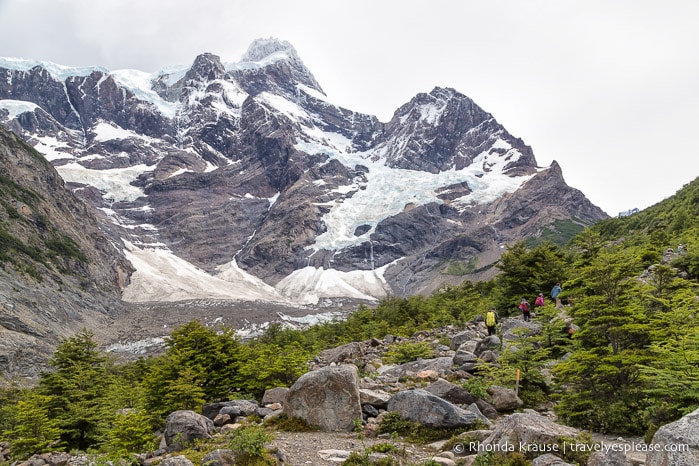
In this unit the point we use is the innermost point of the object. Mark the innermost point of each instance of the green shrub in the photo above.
(131, 432)
(577, 455)
(413, 431)
(406, 352)
(248, 446)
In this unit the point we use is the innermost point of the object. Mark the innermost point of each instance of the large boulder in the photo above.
(451, 392)
(525, 429)
(430, 410)
(327, 398)
(462, 357)
(680, 439)
(183, 427)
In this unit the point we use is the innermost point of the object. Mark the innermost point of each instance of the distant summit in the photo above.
(262, 49)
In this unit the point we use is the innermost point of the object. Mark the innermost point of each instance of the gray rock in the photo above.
(462, 357)
(221, 457)
(176, 461)
(487, 409)
(488, 343)
(430, 410)
(348, 354)
(327, 398)
(377, 398)
(681, 434)
(549, 459)
(183, 427)
(609, 458)
(274, 395)
(489, 356)
(529, 428)
(504, 399)
(450, 392)
(233, 408)
(369, 410)
(462, 337)
(473, 408)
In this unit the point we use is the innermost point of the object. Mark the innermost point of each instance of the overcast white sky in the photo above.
(609, 89)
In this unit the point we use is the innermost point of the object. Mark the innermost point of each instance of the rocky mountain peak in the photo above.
(273, 65)
(206, 67)
(444, 130)
(261, 49)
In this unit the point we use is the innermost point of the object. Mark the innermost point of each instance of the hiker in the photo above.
(555, 293)
(524, 307)
(539, 301)
(491, 320)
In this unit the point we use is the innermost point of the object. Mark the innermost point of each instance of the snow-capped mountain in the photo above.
(244, 181)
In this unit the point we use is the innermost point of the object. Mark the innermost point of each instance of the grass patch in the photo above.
(413, 431)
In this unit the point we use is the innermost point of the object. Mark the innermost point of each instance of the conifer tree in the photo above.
(76, 390)
(33, 431)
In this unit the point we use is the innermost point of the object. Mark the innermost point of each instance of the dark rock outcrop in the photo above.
(60, 270)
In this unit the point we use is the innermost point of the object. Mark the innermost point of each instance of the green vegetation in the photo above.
(392, 423)
(460, 268)
(631, 366)
(28, 252)
(558, 233)
(400, 353)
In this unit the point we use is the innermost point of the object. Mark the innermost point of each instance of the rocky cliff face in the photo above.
(247, 171)
(59, 270)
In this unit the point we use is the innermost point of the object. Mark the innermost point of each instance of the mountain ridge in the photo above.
(263, 129)
(244, 181)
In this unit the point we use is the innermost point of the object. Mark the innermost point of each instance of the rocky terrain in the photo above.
(60, 270)
(428, 391)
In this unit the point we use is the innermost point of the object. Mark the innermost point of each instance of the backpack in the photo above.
(490, 319)
(524, 307)
(539, 301)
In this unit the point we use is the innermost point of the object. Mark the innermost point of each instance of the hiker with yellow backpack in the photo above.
(491, 320)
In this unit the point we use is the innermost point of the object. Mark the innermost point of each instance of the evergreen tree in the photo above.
(201, 364)
(32, 431)
(528, 272)
(76, 390)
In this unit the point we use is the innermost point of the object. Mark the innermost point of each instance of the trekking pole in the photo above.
(517, 384)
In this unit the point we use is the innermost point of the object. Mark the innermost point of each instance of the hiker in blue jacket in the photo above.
(555, 293)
